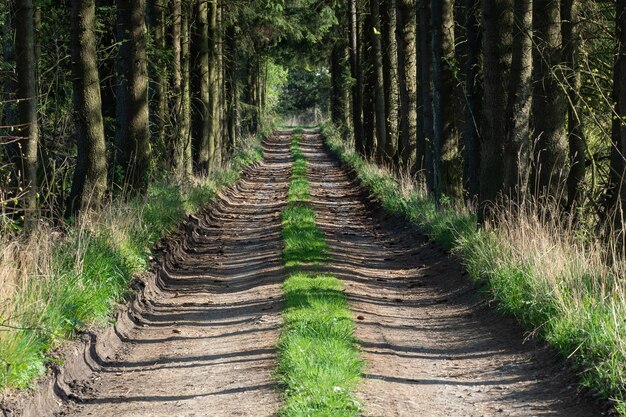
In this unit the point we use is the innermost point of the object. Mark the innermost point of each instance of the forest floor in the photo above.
(205, 344)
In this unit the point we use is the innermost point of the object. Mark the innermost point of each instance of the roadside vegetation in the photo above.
(319, 363)
(557, 283)
(58, 281)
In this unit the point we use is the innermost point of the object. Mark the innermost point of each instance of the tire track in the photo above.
(205, 343)
(432, 347)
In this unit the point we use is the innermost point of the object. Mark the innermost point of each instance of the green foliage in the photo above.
(319, 365)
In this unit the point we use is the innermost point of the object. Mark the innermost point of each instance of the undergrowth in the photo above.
(55, 283)
(560, 287)
(318, 361)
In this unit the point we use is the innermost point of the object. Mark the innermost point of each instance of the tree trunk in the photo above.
(176, 151)
(159, 79)
(184, 127)
(548, 107)
(575, 132)
(214, 91)
(379, 93)
(369, 119)
(448, 172)
(132, 136)
(424, 145)
(90, 175)
(407, 81)
(356, 71)
(200, 86)
(517, 144)
(616, 202)
(471, 136)
(26, 67)
(390, 75)
(496, 22)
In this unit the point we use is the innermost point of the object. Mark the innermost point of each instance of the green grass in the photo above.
(559, 288)
(319, 364)
(76, 282)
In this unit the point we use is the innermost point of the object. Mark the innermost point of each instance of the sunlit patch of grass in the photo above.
(55, 282)
(319, 364)
(559, 286)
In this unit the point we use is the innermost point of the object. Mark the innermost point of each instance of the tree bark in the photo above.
(90, 175)
(448, 172)
(356, 71)
(471, 135)
(28, 130)
(369, 119)
(214, 90)
(159, 79)
(390, 75)
(575, 132)
(424, 146)
(517, 144)
(132, 136)
(184, 128)
(496, 22)
(379, 93)
(616, 193)
(548, 107)
(201, 115)
(407, 81)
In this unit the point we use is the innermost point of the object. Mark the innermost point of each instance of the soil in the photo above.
(432, 345)
(200, 338)
(205, 343)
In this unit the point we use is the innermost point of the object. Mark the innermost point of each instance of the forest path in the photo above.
(431, 345)
(206, 344)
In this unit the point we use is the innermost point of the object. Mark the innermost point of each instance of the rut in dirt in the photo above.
(205, 346)
(431, 344)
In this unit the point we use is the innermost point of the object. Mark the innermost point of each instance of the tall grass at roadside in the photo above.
(318, 361)
(56, 282)
(539, 269)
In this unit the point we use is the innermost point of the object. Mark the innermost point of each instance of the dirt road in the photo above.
(206, 344)
(431, 345)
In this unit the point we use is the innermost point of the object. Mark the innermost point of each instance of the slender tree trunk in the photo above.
(407, 80)
(548, 107)
(390, 75)
(496, 22)
(424, 146)
(575, 132)
(26, 67)
(448, 172)
(9, 107)
(517, 145)
(214, 91)
(90, 175)
(184, 127)
(132, 136)
(159, 79)
(369, 120)
(356, 71)
(338, 105)
(201, 117)
(176, 144)
(616, 201)
(379, 93)
(471, 135)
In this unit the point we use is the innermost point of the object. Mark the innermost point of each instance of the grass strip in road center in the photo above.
(319, 364)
